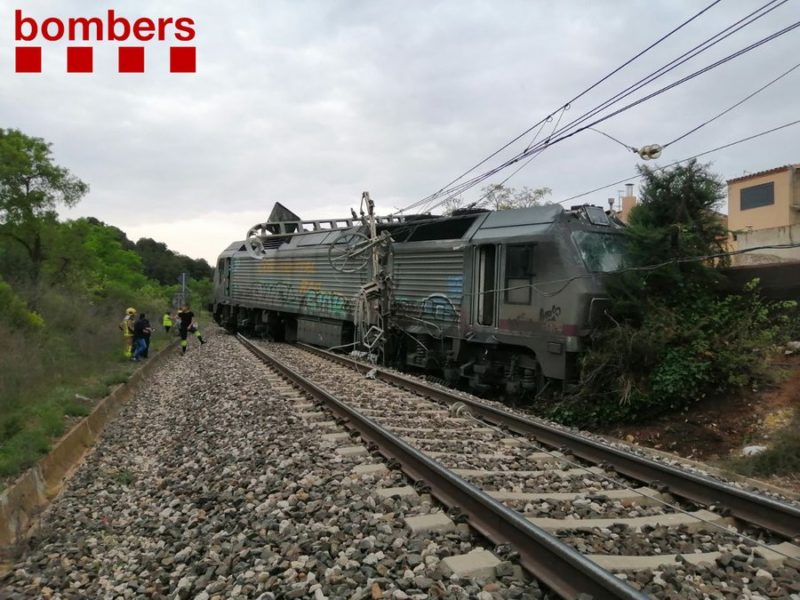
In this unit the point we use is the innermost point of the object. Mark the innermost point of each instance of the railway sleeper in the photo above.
(774, 554)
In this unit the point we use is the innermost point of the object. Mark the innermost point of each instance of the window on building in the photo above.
(519, 274)
(757, 196)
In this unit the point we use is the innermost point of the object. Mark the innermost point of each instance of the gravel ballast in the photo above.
(209, 485)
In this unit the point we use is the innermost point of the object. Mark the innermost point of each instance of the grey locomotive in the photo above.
(504, 298)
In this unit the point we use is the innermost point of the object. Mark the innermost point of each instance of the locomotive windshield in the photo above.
(602, 252)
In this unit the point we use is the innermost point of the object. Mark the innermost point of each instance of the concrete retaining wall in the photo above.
(32, 491)
(789, 234)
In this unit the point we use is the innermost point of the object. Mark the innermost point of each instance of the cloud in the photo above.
(310, 103)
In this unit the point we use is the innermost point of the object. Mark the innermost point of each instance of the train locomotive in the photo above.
(482, 299)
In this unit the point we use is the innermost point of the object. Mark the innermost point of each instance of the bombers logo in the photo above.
(182, 58)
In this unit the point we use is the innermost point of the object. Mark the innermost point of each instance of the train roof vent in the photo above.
(469, 211)
(442, 228)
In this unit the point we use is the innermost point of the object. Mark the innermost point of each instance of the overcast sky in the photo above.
(312, 102)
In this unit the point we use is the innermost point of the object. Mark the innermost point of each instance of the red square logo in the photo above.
(29, 59)
(79, 59)
(131, 59)
(182, 59)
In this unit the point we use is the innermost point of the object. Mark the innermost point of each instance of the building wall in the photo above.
(779, 214)
(788, 234)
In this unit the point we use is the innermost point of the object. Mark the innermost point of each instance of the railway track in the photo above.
(581, 516)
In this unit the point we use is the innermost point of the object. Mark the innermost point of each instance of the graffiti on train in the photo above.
(550, 315)
(435, 307)
(306, 298)
(327, 301)
(277, 291)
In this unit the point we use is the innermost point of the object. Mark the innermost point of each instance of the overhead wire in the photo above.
(672, 164)
(577, 97)
(611, 137)
(689, 77)
(662, 90)
(563, 133)
(525, 164)
(478, 179)
(721, 35)
(730, 108)
(474, 181)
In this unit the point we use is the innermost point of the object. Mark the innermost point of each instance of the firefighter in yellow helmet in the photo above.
(126, 326)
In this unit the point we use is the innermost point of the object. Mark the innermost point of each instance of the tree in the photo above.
(675, 220)
(452, 204)
(499, 197)
(527, 197)
(674, 335)
(31, 186)
(165, 266)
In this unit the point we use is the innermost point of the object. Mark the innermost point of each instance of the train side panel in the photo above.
(428, 287)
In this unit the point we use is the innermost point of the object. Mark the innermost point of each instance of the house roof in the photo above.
(762, 173)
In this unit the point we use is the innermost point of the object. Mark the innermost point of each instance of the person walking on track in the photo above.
(187, 326)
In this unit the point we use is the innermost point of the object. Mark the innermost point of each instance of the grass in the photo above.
(53, 376)
(782, 457)
(125, 477)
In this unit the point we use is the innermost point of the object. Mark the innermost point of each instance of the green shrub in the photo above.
(73, 408)
(22, 451)
(782, 457)
(675, 335)
(125, 477)
(117, 378)
(95, 391)
(15, 310)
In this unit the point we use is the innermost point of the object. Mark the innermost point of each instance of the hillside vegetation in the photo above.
(64, 288)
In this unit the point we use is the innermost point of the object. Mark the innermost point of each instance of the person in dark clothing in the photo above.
(141, 337)
(187, 324)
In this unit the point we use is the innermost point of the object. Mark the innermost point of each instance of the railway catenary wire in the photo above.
(606, 495)
(694, 129)
(562, 135)
(577, 125)
(562, 107)
(677, 162)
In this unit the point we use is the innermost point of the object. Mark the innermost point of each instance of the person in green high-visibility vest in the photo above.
(166, 321)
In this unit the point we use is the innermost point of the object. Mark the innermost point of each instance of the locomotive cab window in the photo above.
(519, 274)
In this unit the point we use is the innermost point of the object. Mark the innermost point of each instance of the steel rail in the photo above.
(765, 512)
(559, 566)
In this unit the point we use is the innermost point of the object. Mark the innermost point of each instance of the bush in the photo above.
(781, 458)
(674, 337)
(15, 311)
(712, 346)
(22, 451)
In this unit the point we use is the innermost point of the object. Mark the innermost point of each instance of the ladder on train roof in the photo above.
(291, 228)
